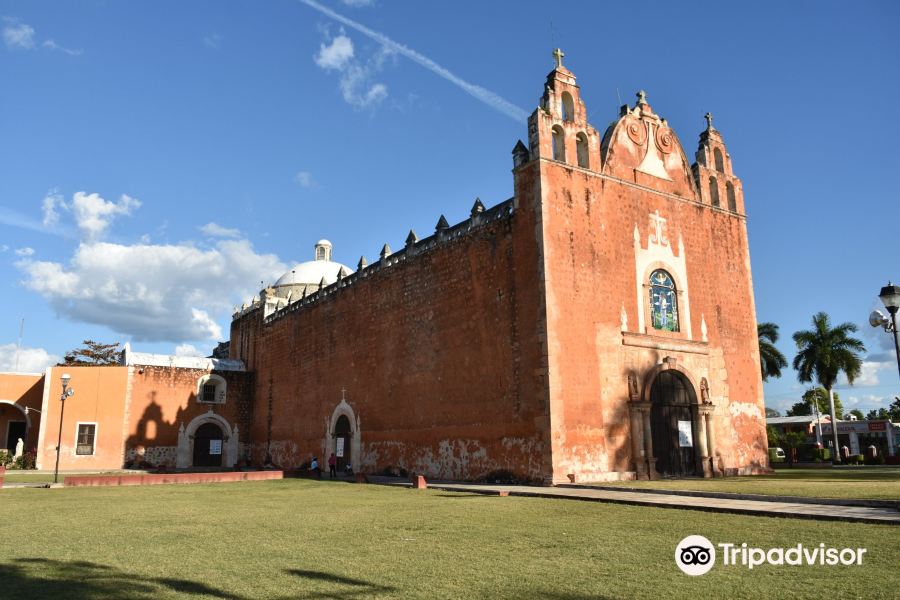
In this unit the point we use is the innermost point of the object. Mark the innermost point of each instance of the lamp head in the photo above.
(877, 319)
(65, 379)
(890, 295)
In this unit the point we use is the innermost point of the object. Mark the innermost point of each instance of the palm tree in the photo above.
(823, 352)
(771, 361)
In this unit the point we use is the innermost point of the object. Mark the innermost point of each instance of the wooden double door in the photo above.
(672, 417)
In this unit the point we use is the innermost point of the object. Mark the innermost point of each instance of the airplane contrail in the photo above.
(476, 91)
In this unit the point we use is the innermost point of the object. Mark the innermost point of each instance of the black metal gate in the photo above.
(672, 423)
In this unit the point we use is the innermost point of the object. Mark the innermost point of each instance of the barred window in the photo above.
(85, 438)
(209, 392)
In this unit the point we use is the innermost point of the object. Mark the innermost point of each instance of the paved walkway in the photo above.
(822, 512)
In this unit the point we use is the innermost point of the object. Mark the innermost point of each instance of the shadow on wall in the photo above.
(152, 431)
(41, 578)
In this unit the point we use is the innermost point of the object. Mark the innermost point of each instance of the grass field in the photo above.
(844, 482)
(308, 539)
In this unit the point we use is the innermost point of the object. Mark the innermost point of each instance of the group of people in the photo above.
(315, 471)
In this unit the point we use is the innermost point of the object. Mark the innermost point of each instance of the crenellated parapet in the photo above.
(275, 307)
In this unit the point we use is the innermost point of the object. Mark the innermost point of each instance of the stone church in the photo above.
(598, 325)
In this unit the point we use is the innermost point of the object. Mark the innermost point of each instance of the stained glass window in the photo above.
(663, 301)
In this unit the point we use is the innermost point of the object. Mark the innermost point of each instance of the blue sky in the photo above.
(160, 159)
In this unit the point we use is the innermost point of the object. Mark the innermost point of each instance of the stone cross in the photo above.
(558, 55)
(343, 394)
(708, 117)
(642, 97)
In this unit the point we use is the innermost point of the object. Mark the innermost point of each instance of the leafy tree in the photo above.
(93, 354)
(771, 361)
(773, 435)
(857, 413)
(824, 352)
(790, 441)
(877, 414)
(892, 412)
(820, 397)
(771, 412)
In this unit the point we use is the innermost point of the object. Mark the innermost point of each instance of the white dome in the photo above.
(312, 272)
(323, 243)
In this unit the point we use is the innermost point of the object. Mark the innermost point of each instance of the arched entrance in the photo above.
(343, 447)
(14, 424)
(208, 445)
(673, 412)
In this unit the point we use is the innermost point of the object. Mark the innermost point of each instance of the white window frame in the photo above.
(221, 388)
(93, 446)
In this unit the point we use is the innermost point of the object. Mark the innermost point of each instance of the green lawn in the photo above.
(308, 539)
(844, 482)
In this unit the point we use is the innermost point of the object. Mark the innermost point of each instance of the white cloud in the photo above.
(93, 214)
(54, 46)
(336, 55)
(4, 248)
(21, 36)
(18, 35)
(305, 179)
(51, 202)
(188, 350)
(30, 360)
(484, 95)
(26, 251)
(215, 230)
(356, 82)
(357, 3)
(172, 293)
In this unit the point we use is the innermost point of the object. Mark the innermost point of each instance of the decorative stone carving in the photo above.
(704, 391)
(20, 448)
(636, 131)
(634, 393)
(665, 140)
(658, 227)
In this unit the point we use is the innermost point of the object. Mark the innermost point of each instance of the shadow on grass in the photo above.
(25, 578)
(361, 588)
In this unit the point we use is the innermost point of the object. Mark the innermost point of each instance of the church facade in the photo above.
(600, 324)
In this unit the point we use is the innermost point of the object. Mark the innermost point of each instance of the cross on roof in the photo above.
(642, 97)
(708, 117)
(558, 55)
(343, 393)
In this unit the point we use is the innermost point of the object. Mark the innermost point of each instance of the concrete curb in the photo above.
(755, 497)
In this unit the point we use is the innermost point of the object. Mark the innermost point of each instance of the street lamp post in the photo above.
(890, 296)
(66, 392)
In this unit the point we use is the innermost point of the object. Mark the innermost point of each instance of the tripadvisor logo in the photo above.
(696, 555)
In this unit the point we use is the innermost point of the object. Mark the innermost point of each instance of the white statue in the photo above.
(20, 448)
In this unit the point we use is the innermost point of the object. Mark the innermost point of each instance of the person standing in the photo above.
(332, 466)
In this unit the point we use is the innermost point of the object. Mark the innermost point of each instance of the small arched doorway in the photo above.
(208, 442)
(343, 435)
(672, 415)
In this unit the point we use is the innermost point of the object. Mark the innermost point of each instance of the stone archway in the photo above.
(344, 424)
(645, 440)
(185, 455)
(673, 414)
(12, 428)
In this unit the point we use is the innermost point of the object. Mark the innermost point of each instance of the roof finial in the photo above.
(558, 55)
(708, 117)
(642, 97)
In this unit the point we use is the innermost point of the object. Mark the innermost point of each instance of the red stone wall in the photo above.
(439, 353)
(163, 398)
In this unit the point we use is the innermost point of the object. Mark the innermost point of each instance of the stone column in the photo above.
(648, 442)
(183, 455)
(700, 425)
(707, 412)
(637, 442)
